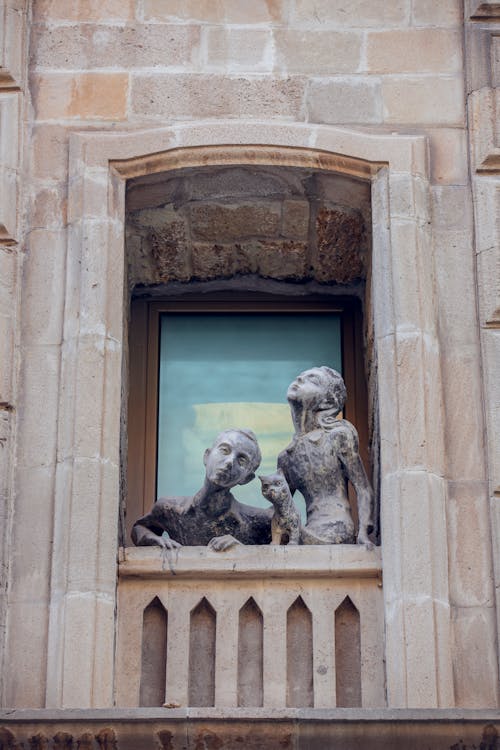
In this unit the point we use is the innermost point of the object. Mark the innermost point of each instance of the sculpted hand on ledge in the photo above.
(221, 543)
(212, 516)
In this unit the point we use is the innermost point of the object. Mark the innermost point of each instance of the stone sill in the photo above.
(259, 561)
(343, 715)
(291, 729)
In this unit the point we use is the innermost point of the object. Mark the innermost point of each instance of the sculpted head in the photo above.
(233, 458)
(318, 389)
(275, 487)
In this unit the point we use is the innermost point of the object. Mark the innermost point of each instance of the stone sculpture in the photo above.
(212, 516)
(285, 524)
(322, 457)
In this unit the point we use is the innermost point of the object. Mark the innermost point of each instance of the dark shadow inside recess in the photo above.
(153, 654)
(348, 655)
(202, 634)
(250, 655)
(299, 656)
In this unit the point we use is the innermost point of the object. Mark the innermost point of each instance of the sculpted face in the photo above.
(318, 388)
(309, 387)
(275, 487)
(232, 459)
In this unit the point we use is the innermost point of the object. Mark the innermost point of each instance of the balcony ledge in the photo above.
(259, 561)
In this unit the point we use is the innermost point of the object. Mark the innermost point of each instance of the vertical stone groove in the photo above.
(154, 654)
(347, 655)
(250, 655)
(299, 656)
(202, 632)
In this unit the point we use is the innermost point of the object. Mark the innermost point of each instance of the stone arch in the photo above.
(403, 312)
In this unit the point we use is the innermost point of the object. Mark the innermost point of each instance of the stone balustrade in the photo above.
(264, 626)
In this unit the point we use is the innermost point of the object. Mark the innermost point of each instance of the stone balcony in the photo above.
(264, 626)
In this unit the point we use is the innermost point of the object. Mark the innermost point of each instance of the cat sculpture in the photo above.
(285, 524)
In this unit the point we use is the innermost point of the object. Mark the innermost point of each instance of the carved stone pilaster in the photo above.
(12, 84)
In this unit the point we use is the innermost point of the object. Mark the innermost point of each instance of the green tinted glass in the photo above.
(224, 370)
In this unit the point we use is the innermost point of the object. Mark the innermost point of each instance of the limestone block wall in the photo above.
(378, 68)
(483, 96)
(13, 83)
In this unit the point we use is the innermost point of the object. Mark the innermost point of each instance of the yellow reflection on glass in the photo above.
(270, 422)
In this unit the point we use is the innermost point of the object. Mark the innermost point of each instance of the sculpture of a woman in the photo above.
(322, 457)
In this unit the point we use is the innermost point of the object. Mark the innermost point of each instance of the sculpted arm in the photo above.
(356, 474)
(148, 531)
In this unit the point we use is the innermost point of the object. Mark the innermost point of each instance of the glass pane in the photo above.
(219, 371)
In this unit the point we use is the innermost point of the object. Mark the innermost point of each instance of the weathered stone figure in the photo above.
(322, 457)
(212, 516)
(285, 524)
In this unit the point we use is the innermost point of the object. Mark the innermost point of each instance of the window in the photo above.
(198, 366)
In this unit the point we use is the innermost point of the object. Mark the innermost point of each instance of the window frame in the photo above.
(144, 348)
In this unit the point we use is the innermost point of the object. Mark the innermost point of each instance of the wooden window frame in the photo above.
(144, 346)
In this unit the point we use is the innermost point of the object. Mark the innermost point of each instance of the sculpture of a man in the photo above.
(213, 515)
(322, 457)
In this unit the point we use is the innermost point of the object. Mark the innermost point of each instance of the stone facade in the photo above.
(154, 143)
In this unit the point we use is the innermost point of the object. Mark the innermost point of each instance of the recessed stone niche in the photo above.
(277, 223)
(276, 230)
